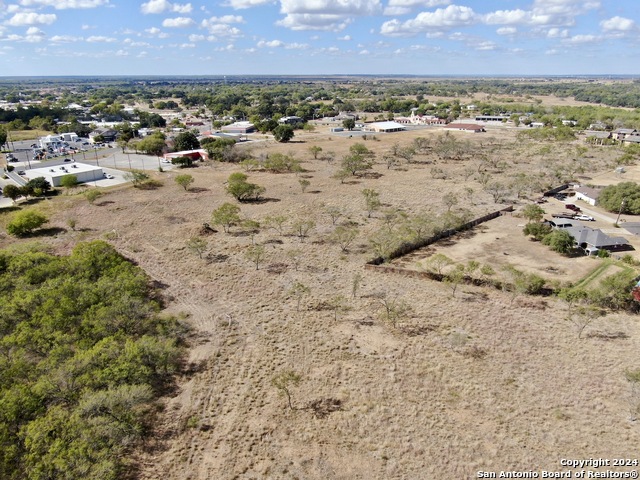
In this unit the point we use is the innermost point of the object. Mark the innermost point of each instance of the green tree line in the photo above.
(83, 354)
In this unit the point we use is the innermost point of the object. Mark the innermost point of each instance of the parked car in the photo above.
(570, 216)
(571, 206)
(67, 160)
(108, 175)
(33, 145)
(21, 172)
(585, 218)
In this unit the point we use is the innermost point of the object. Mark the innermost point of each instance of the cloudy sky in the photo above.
(422, 37)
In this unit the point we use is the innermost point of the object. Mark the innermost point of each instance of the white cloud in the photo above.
(364, 52)
(484, 46)
(441, 19)
(122, 53)
(32, 35)
(223, 19)
(331, 7)
(196, 38)
(188, 45)
(131, 43)
(329, 15)
(346, 38)
(557, 33)
(184, 8)
(581, 39)
(178, 22)
(296, 46)
(31, 18)
(561, 12)
(403, 7)
(86, 27)
(618, 24)
(270, 44)
(507, 17)
(507, 31)
(100, 39)
(160, 6)
(242, 4)
(155, 6)
(308, 21)
(65, 4)
(223, 30)
(65, 39)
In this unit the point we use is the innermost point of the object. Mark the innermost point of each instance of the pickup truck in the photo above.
(570, 216)
(585, 218)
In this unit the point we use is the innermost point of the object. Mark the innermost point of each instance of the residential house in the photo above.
(108, 135)
(591, 240)
(588, 194)
(292, 120)
(631, 139)
(622, 133)
(597, 137)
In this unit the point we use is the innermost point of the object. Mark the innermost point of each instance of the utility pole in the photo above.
(620, 211)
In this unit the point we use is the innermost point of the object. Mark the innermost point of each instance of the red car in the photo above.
(571, 206)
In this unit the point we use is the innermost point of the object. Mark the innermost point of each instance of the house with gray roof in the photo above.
(591, 240)
(622, 133)
(588, 194)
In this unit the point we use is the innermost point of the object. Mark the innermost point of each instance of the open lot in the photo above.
(460, 384)
(500, 243)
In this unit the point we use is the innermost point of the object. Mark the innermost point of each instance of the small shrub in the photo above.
(25, 222)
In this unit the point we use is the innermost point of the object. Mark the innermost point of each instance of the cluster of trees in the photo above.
(623, 197)
(36, 187)
(399, 229)
(83, 354)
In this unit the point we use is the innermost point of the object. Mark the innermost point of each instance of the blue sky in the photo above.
(241, 37)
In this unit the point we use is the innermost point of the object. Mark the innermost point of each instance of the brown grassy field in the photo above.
(461, 384)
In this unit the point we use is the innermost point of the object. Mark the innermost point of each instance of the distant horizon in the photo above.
(329, 75)
(58, 38)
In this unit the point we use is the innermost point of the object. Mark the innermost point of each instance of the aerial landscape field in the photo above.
(310, 299)
(319, 239)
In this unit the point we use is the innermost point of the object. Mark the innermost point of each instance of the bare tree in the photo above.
(344, 236)
(334, 213)
(256, 254)
(299, 290)
(394, 309)
(301, 227)
(197, 245)
(284, 381)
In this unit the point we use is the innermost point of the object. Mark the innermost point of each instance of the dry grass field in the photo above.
(461, 384)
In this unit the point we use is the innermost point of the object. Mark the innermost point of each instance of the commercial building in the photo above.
(54, 173)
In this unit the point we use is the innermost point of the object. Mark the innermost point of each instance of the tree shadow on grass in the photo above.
(262, 200)
(13, 208)
(47, 232)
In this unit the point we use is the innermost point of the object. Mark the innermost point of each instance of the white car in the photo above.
(108, 175)
(586, 218)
